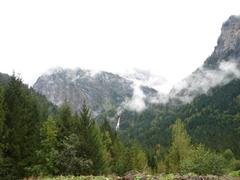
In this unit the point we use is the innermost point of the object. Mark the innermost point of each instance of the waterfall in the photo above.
(118, 123)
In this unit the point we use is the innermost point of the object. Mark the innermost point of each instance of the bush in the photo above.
(235, 173)
(236, 165)
(203, 162)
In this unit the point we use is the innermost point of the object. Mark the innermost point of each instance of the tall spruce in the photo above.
(20, 130)
(119, 161)
(48, 153)
(65, 121)
(2, 119)
(93, 147)
(180, 147)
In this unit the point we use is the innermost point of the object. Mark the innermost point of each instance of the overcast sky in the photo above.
(171, 38)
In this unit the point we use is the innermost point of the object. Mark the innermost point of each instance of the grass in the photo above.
(235, 175)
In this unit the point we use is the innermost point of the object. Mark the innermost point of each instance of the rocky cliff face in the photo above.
(104, 91)
(228, 45)
(101, 90)
(4, 78)
(220, 68)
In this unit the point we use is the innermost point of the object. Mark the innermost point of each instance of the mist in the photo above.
(199, 82)
(204, 79)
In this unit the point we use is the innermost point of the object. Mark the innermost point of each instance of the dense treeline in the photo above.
(211, 119)
(37, 139)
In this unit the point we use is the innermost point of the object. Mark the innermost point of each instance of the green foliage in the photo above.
(2, 121)
(39, 139)
(136, 158)
(48, 153)
(203, 162)
(118, 151)
(228, 155)
(180, 147)
(2, 112)
(154, 160)
(236, 165)
(36, 138)
(20, 136)
(211, 119)
(70, 160)
(65, 121)
(234, 173)
(93, 147)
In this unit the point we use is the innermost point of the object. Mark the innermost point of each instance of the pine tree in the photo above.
(65, 121)
(2, 119)
(107, 138)
(71, 160)
(93, 147)
(180, 146)
(118, 152)
(136, 158)
(2, 113)
(20, 130)
(48, 153)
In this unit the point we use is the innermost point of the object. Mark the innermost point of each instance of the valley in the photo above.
(81, 124)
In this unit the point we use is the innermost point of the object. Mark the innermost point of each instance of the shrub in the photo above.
(203, 162)
(235, 173)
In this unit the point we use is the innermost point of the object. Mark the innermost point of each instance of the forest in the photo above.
(39, 139)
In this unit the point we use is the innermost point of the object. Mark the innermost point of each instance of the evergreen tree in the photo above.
(71, 160)
(48, 153)
(155, 160)
(118, 152)
(20, 130)
(65, 121)
(180, 147)
(136, 158)
(2, 119)
(202, 161)
(2, 112)
(93, 147)
(107, 138)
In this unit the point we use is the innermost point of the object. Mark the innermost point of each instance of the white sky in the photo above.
(170, 38)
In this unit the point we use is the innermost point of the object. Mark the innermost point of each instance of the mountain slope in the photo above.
(4, 78)
(212, 111)
(211, 119)
(103, 91)
(220, 68)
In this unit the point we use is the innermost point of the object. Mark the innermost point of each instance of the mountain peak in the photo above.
(219, 69)
(102, 90)
(228, 44)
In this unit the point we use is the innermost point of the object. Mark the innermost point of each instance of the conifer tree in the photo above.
(118, 162)
(2, 113)
(180, 146)
(2, 119)
(48, 153)
(20, 130)
(65, 121)
(93, 146)
(136, 158)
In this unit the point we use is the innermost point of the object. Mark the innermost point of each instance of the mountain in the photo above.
(212, 112)
(102, 90)
(228, 45)
(4, 78)
(45, 106)
(218, 69)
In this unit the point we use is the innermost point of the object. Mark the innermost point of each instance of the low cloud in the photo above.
(137, 102)
(200, 82)
(204, 79)
(139, 78)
